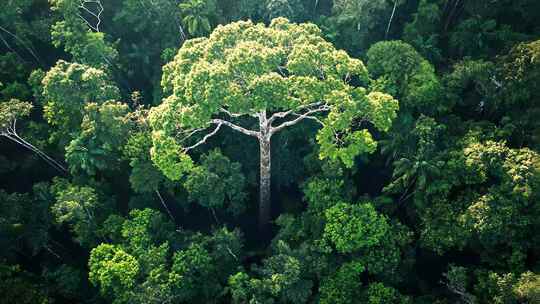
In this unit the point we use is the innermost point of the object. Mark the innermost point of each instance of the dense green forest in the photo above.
(270, 151)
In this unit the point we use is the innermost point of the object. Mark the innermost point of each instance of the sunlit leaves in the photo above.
(353, 227)
(402, 72)
(342, 286)
(12, 110)
(114, 271)
(67, 87)
(104, 130)
(248, 68)
(78, 38)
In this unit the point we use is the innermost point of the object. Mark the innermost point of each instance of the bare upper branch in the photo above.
(300, 117)
(96, 15)
(289, 112)
(204, 139)
(236, 115)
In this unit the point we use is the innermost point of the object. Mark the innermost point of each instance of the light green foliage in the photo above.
(79, 39)
(12, 110)
(353, 227)
(199, 16)
(377, 293)
(103, 132)
(80, 208)
(337, 140)
(528, 287)
(166, 156)
(145, 229)
(508, 288)
(342, 286)
(114, 270)
(448, 213)
(164, 265)
(144, 250)
(402, 72)
(67, 88)
(246, 69)
(223, 177)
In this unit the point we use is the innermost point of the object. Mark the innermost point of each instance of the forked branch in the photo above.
(300, 117)
(204, 139)
(10, 132)
(96, 15)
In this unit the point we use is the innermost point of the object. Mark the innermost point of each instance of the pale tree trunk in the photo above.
(264, 134)
(391, 18)
(265, 207)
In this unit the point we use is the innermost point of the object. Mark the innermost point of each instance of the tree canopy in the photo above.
(270, 151)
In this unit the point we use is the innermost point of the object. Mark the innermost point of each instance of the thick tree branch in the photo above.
(279, 115)
(236, 127)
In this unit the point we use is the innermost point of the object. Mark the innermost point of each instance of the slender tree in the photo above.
(269, 78)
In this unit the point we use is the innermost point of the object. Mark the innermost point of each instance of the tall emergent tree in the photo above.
(258, 80)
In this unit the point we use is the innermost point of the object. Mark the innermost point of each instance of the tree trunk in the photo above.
(264, 191)
(390, 21)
